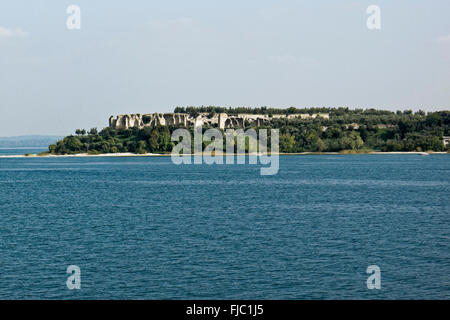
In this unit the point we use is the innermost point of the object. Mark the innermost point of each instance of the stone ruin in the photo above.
(221, 120)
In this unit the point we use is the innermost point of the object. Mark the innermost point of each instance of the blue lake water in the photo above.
(22, 150)
(144, 228)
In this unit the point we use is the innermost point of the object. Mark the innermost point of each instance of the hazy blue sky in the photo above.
(150, 56)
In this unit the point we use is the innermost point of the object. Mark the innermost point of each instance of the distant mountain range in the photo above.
(28, 141)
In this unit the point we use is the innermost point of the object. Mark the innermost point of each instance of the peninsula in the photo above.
(301, 130)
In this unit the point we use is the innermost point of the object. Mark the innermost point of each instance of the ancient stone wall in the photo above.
(222, 120)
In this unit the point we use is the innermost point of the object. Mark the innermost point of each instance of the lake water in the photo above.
(21, 150)
(144, 228)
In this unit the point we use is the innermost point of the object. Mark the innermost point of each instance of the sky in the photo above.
(151, 56)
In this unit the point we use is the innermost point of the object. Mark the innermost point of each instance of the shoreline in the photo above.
(129, 154)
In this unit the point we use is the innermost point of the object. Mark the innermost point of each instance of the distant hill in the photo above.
(28, 141)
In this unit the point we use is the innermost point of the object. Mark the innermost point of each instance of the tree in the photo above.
(153, 141)
(52, 148)
(73, 144)
(141, 147)
(287, 143)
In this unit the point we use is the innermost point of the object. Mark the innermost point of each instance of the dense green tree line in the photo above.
(155, 140)
(384, 131)
(346, 129)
